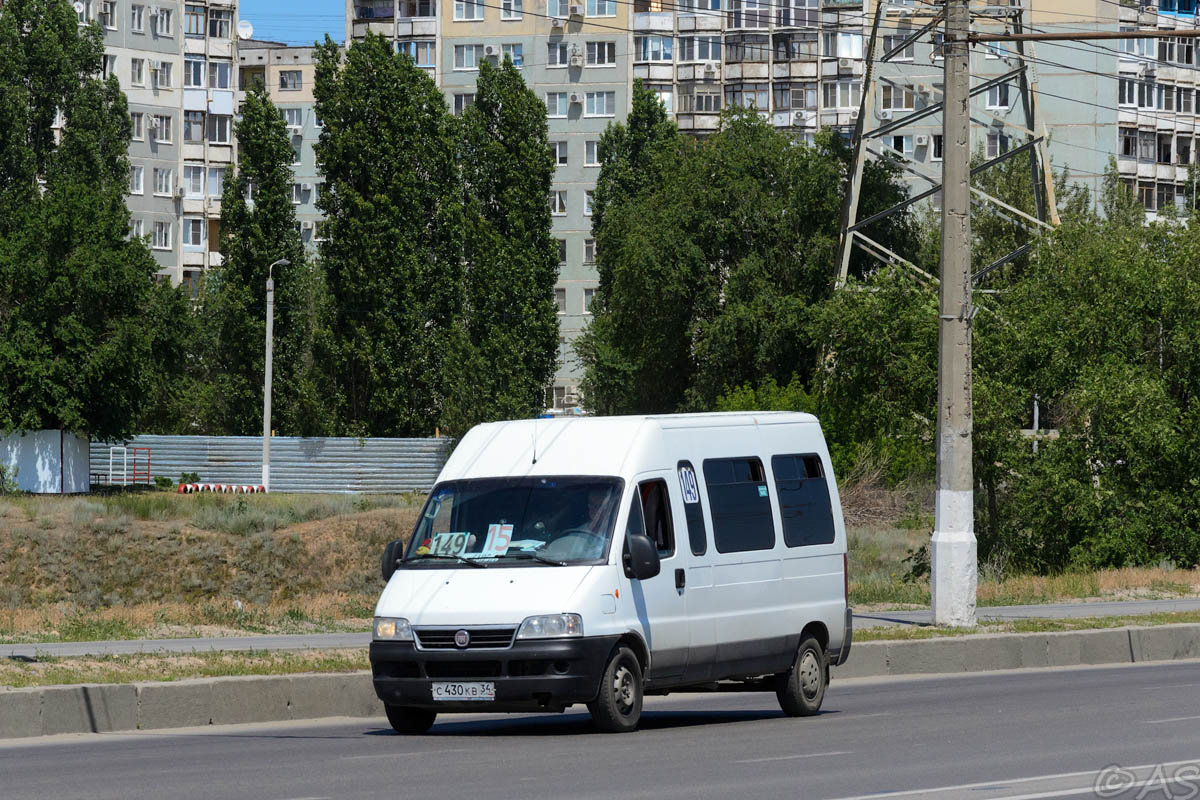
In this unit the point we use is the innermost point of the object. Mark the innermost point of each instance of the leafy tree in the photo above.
(77, 307)
(394, 235)
(258, 227)
(509, 329)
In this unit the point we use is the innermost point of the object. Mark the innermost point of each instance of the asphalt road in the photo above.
(986, 736)
(341, 640)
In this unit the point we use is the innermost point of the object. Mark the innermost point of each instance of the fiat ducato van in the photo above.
(597, 560)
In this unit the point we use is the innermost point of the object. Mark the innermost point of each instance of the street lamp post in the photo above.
(266, 455)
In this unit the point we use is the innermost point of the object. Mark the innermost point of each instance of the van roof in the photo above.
(582, 445)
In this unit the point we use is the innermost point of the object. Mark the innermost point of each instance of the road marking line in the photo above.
(1000, 784)
(398, 755)
(789, 758)
(1163, 781)
(1170, 686)
(1169, 719)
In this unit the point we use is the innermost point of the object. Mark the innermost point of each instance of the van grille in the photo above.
(481, 638)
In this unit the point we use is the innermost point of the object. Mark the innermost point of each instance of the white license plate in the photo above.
(459, 692)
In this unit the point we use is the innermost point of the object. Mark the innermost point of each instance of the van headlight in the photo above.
(392, 629)
(551, 626)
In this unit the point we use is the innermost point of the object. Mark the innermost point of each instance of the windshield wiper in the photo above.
(463, 559)
(536, 557)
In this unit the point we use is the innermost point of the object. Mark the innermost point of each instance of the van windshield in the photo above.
(549, 521)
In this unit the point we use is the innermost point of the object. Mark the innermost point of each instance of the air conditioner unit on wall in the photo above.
(179, 192)
(710, 69)
(295, 130)
(557, 23)
(845, 63)
(576, 97)
(885, 114)
(922, 139)
(854, 113)
(489, 50)
(306, 225)
(576, 11)
(576, 60)
(306, 187)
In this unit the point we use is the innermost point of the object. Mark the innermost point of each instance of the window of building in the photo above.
(162, 128)
(1166, 51)
(218, 128)
(511, 9)
(162, 22)
(749, 13)
(556, 104)
(163, 76)
(220, 23)
(137, 228)
(467, 56)
(137, 19)
(559, 149)
(193, 73)
(463, 101)
(700, 48)
(800, 13)
(1184, 100)
(558, 8)
(291, 80)
(108, 15)
(137, 71)
(193, 20)
(897, 98)
(890, 43)
(587, 202)
(417, 8)
(997, 145)
(1137, 49)
(293, 117)
(1165, 150)
(1146, 145)
(1146, 93)
(694, 6)
(740, 502)
(805, 510)
(296, 155)
(556, 54)
(192, 232)
(1126, 95)
(216, 181)
(997, 96)
(752, 47)
(1185, 52)
(600, 104)
(652, 48)
(193, 126)
(937, 147)
(601, 8)
(164, 183)
(558, 202)
(901, 144)
(468, 9)
(656, 513)
(843, 94)
(193, 180)
(589, 256)
(748, 95)
(665, 95)
(1146, 195)
(374, 9)
(1164, 196)
(560, 300)
(1164, 98)
(591, 156)
(588, 294)
(514, 52)
(136, 178)
(136, 121)
(839, 44)
(219, 74)
(421, 51)
(297, 194)
(601, 54)
(1183, 150)
(108, 66)
(162, 236)
(562, 251)
(795, 46)
(1129, 138)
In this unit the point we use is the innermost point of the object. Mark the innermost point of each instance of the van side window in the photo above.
(656, 508)
(803, 500)
(692, 510)
(740, 505)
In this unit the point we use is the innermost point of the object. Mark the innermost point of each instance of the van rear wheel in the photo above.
(802, 688)
(618, 706)
(410, 720)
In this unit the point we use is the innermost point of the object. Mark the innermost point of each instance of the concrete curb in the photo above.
(47, 710)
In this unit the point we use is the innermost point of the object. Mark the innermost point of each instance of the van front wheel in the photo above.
(618, 706)
(802, 688)
(410, 720)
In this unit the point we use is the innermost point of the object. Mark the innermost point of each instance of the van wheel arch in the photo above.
(635, 643)
(818, 631)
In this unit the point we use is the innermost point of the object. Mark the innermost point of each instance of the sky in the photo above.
(299, 22)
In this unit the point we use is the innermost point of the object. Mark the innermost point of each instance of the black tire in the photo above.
(802, 688)
(410, 720)
(618, 706)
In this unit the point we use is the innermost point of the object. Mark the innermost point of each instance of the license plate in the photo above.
(459, 692)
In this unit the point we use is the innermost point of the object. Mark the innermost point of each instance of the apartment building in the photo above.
(288, 74)
(175, 62)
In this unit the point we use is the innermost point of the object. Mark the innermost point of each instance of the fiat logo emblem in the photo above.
(462, 638)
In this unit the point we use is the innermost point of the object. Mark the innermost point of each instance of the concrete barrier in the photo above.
(102, 708)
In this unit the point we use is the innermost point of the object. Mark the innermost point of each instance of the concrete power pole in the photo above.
(953, 549)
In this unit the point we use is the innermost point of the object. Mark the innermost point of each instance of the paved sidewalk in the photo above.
(347, 640)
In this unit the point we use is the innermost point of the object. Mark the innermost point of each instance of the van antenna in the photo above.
(535, 419)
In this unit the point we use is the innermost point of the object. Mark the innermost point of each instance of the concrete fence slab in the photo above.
(180, 704)
(251, 699)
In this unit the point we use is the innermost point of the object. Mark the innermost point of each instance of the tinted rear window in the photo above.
(740, 503)
(804, 505)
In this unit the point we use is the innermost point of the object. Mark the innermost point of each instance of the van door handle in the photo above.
(680, 579)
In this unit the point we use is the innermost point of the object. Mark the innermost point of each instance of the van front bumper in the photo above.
(532, 675)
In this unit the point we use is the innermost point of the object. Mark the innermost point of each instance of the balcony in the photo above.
(374, 9)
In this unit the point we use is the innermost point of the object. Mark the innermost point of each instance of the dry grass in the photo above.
(163, 667)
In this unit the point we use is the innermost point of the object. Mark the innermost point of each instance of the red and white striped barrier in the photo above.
(225, 488)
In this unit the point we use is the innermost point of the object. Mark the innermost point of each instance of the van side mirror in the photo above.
(393, 551)
(640, 557)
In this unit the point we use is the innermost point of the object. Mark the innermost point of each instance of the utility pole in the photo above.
(266, 450)
(953, 556)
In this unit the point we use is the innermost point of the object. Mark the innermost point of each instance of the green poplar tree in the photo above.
(510, 327)
(393, 249)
